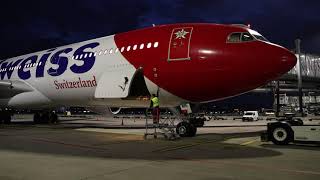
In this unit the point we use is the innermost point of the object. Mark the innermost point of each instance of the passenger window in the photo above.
(135, 47)
(246, 37)
(234, 37)
(141, 46)
(156, 44)
(149, 45)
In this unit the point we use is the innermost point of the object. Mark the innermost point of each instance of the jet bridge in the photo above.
(310, 69)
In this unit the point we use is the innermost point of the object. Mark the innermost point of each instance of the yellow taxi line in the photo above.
(249, 142)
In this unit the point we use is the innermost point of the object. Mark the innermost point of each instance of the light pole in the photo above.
(298, 51)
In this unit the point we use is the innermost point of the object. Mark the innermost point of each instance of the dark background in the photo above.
(28, 26)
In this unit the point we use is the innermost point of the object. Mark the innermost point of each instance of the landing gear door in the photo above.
(115, 83)
(179, 45)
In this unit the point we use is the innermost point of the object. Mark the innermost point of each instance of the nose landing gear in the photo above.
(186, 129)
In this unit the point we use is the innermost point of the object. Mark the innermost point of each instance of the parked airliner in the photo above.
(180, 62)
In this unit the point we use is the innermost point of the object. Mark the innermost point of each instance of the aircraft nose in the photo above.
(287, 60)
(279, 62)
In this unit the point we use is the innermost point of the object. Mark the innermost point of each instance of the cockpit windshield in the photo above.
(238, 37)
(257, 35)
(260, 38)
(246, 37)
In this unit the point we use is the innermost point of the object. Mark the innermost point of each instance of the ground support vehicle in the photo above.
(284, 132)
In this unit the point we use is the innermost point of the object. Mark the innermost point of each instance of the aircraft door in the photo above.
(115, 83)
(179, 45)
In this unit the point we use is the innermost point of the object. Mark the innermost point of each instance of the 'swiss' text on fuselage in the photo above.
(59, 59)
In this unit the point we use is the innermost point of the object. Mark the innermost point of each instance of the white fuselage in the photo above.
(102, 85)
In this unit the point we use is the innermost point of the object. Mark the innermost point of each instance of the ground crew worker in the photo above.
(154, 104)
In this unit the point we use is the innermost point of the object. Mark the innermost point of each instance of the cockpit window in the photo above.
(246, 37)
(257, 35)
(240, 37)
(234, 37)
(260, 38)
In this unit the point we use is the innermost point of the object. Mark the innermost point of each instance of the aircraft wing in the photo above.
(9, 89)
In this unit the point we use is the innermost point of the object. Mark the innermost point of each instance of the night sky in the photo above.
(28, 26)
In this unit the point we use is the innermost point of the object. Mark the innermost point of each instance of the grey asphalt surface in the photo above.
(98, 149)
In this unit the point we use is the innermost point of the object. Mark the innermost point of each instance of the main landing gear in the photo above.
(45, 117)
(5, 117)
(186, 129)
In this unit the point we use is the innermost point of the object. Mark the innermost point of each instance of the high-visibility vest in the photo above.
(155, 101)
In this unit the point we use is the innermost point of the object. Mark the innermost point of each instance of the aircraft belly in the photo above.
(167, 99)
(29, 99)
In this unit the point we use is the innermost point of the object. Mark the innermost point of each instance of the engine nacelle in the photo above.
(115, 110)
(105, 111)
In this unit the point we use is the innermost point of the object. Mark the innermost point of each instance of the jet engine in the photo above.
(115, 110)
